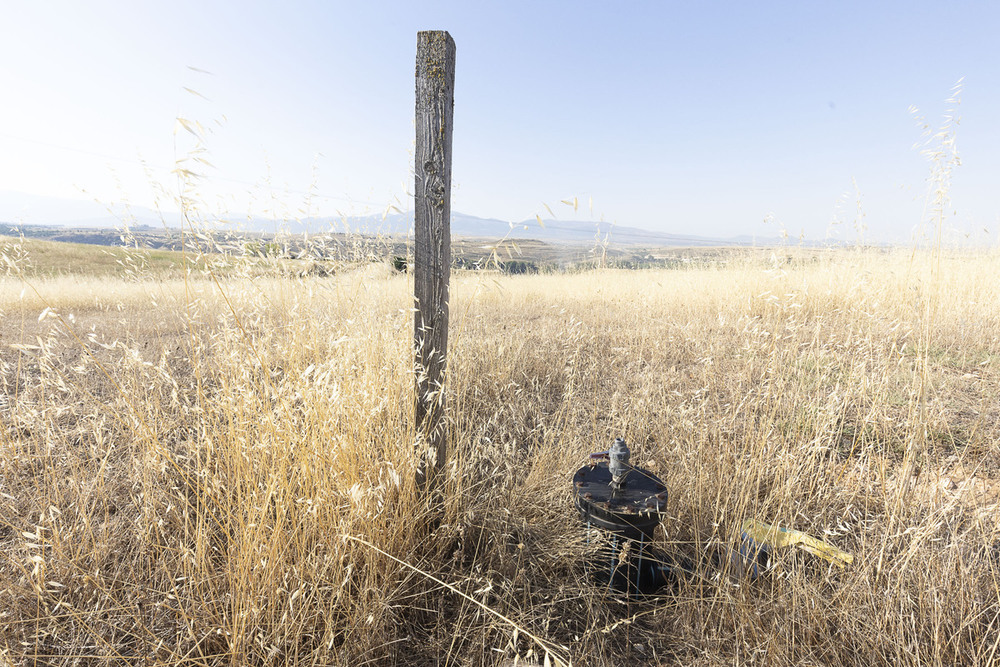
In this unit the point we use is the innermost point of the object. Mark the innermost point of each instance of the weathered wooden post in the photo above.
(432, 244)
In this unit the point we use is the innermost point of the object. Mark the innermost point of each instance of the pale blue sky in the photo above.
(697, 118)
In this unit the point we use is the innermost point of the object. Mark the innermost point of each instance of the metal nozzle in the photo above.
(618, 464)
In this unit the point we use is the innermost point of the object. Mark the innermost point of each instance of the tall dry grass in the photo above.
(221, 471)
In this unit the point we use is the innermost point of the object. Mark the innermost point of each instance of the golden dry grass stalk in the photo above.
(181, 460)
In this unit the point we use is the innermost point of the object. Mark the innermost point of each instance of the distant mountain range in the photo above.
(18, 208)
(464, 225)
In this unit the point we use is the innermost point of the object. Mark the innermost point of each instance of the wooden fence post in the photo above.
(432, 244)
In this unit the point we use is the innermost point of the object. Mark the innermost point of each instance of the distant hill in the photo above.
(19, 209)
(470, 226)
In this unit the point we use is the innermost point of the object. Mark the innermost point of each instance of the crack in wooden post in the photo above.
(435, 101)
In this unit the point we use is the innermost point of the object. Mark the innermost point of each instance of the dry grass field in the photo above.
(219, 471)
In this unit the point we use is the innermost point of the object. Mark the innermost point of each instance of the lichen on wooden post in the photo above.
(435, 101)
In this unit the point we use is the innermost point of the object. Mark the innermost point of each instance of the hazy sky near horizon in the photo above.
(688, 118)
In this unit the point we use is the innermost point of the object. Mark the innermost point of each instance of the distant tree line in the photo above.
(509, 267)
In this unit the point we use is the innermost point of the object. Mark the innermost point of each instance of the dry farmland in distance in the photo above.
(217, 468)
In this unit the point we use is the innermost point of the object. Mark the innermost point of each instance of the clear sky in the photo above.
(684, 117)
